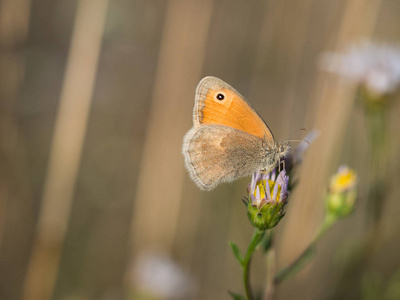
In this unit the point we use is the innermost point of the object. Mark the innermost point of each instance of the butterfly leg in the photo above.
(281, 165)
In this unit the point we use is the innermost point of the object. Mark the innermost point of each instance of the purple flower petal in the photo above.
(267, 189)
(275, 192)
(253, 183)
(273, 175)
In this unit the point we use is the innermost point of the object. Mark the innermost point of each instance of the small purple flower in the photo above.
(268, 195)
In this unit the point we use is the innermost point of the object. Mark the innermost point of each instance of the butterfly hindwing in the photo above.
(215, 154)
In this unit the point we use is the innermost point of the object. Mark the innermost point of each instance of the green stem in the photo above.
(307, 254)
(326, 225)
(271, 270)
(255, 240)
(377, 136)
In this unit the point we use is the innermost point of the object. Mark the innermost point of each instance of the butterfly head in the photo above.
(274, 153)
(282, 149)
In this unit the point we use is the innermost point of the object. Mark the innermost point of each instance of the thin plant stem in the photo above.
(375, 110)
(377, 136)
(271, 270)
(255, 240)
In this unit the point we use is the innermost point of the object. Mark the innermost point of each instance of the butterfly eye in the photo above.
(220, 97)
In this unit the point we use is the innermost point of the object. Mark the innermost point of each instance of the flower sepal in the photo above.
(267, 216)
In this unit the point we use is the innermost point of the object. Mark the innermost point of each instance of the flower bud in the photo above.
(342, 192)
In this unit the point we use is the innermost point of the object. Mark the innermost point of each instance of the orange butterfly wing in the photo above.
(218, 103)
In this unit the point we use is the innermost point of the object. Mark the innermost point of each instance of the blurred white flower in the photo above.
(159, 276)
(376, 66)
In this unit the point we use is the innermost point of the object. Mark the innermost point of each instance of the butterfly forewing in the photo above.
(218, 103)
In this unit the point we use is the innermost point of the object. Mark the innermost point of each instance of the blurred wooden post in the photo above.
(333, 105)
(14, 21)
(159, 191)
(66, 148)
(14, 27)
(16, 205)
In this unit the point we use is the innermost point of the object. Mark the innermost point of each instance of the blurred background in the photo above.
(95, 98)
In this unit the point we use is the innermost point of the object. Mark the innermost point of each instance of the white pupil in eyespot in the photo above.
(220, 96)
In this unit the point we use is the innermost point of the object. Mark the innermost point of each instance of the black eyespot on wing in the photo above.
(220, 97)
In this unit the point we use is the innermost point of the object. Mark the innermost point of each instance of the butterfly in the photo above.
(228, 140)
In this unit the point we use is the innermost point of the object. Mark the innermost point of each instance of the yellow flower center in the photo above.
(262, 186)
(343, 180)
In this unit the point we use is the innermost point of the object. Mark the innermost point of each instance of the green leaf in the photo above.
(236, 296)
(236, 252)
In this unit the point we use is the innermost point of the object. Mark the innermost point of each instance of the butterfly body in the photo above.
(229, 139)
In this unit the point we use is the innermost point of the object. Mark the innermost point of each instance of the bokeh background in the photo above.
(95, 98)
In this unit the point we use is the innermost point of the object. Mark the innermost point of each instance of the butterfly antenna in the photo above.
(299, 141)
(282, 165)
(298, 130)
